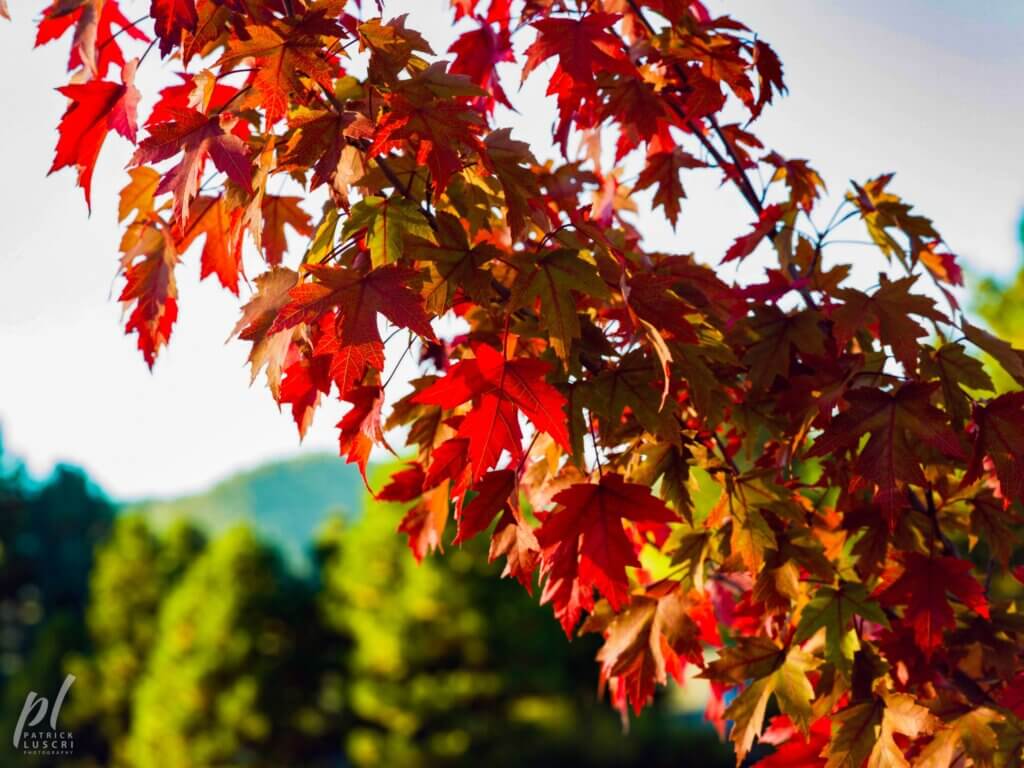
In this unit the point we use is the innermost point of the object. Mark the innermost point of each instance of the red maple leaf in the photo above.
(317, 139)
(514, 540)
(359, 298)
(795, 750)
(498, 10)
(1012, 696)
(765, 224)
(519, 383)
(436, 128)
(425, 522)
(350, 340)
(222, 249)
(897, 424)
(200, 137)
(305, 379)
(405, 485)
(769, 76)
(96, 108)
(277, 212)
(447, 462)
(651, 298)
(585, 546)
(662, 171)
(171, 18)
(149, 263)
(361, 426)
(584, 48)
(491, 428)
(999, 435)
(477, 54)
(348, 362)
(95, 44)
(183, 96)
(651, 640)
(492, 497)
(922, 589)
(886, 313)
(559, 316)
(285, 52)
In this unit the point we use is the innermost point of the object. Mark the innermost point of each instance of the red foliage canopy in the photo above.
(598, 395)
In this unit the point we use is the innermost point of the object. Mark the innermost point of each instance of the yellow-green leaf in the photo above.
(387, 221)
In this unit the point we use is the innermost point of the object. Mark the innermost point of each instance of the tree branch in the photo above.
(739, 176)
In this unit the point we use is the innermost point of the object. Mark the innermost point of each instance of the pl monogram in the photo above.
(30, 739)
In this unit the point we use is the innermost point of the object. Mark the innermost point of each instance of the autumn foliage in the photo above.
(802, 487)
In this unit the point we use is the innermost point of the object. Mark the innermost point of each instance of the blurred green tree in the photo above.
(238, 672)
(48, 532)
(133, 570)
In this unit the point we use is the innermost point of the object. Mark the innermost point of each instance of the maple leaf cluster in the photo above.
(804, 490)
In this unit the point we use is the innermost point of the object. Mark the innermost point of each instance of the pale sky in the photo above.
(929, 89)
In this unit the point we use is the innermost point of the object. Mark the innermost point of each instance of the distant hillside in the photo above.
(285, 501)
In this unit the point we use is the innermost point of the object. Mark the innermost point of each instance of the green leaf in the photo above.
(833, 610)
(692, 553)
(323, 240)
(793, 692)
(1011, 359)
(387, 221)
(855, 730)
(552, 278)
(455, 264)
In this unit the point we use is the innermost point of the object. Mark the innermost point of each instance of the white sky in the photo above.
(928, 88)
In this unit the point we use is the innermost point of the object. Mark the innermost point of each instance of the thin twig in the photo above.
(145, 53)
(399, 363)
(125, 28)
(597, 449)
(739, 176)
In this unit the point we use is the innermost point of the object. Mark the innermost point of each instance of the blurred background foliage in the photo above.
(1000, 303)
(199, 642)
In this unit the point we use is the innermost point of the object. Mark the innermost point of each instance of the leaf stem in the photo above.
(597, 448)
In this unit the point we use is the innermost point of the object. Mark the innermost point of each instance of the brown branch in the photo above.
(741, 174)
